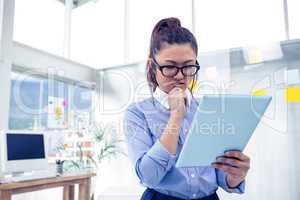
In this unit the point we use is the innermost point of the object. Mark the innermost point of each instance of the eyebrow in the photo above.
(175, 63)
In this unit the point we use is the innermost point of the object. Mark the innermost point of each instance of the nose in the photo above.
(179, 75)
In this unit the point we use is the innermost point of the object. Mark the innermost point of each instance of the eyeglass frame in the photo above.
(160, 67)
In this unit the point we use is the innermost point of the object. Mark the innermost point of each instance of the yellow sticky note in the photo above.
(261, 92)
(58, 112)
(292, 94)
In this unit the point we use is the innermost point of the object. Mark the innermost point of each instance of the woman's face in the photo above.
(178, 55)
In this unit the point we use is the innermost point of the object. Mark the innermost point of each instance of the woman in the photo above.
(156, 128)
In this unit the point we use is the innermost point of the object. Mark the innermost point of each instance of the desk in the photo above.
(66, 181)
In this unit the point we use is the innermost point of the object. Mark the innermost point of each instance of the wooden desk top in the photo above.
(65, 178)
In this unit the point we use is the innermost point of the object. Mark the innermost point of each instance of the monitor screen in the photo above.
(25, 146)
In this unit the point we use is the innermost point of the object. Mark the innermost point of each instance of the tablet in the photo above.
(221, 123)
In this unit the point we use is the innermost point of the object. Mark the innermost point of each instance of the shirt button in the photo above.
(192, 175)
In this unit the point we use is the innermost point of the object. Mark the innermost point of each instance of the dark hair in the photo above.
(168, 30)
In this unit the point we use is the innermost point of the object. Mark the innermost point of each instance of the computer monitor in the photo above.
(23, 151)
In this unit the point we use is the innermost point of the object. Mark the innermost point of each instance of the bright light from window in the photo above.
(294, 16)
(211, 73)
(97, 35)
(1, 17)
(40, 24)
(235, 23)
(143, 15)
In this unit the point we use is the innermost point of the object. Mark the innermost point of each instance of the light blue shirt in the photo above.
(144, 123)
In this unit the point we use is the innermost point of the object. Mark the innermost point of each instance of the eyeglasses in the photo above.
(172, 70)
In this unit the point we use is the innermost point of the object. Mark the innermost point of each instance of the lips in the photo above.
(179, 83)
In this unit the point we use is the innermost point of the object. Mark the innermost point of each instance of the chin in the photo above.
(183, 87)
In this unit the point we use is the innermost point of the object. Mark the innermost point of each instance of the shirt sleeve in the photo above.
(151, 159)
(221, 179)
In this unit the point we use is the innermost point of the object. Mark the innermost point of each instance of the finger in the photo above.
(237, 154)
(178, 89)
(233, 162)
(230, 170)
(226, 168)
(178, 93)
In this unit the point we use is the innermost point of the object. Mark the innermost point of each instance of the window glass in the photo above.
(25, 103)
(152, 11)
(39, 103)
(40, 24)
(233, 23)
(97, 34)
(294, 16)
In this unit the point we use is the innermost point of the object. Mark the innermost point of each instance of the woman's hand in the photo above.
(177, 102)
(169, 138)
(235, 164)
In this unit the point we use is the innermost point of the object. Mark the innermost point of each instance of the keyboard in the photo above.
(28, 177)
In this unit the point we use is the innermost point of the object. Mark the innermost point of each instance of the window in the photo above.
(152, 11)
(1, 18)
(40, 24)
(82, 99)
(97, 33)
(294, 16)
(40, 103)
(234, 23)
(81, 107)
(25, 105)
(54, 104)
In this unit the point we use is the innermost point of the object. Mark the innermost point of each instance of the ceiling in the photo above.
(78, 3)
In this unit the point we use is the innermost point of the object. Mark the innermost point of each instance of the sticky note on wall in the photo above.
(261, 92)
(292, 94)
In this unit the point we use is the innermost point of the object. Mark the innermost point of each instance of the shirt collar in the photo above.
(162, 97)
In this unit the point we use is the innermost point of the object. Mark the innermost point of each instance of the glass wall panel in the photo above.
(143, 15)
(233, 23)
(97, 33)
(40, 24)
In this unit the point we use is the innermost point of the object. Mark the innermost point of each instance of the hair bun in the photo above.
(168, 23)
